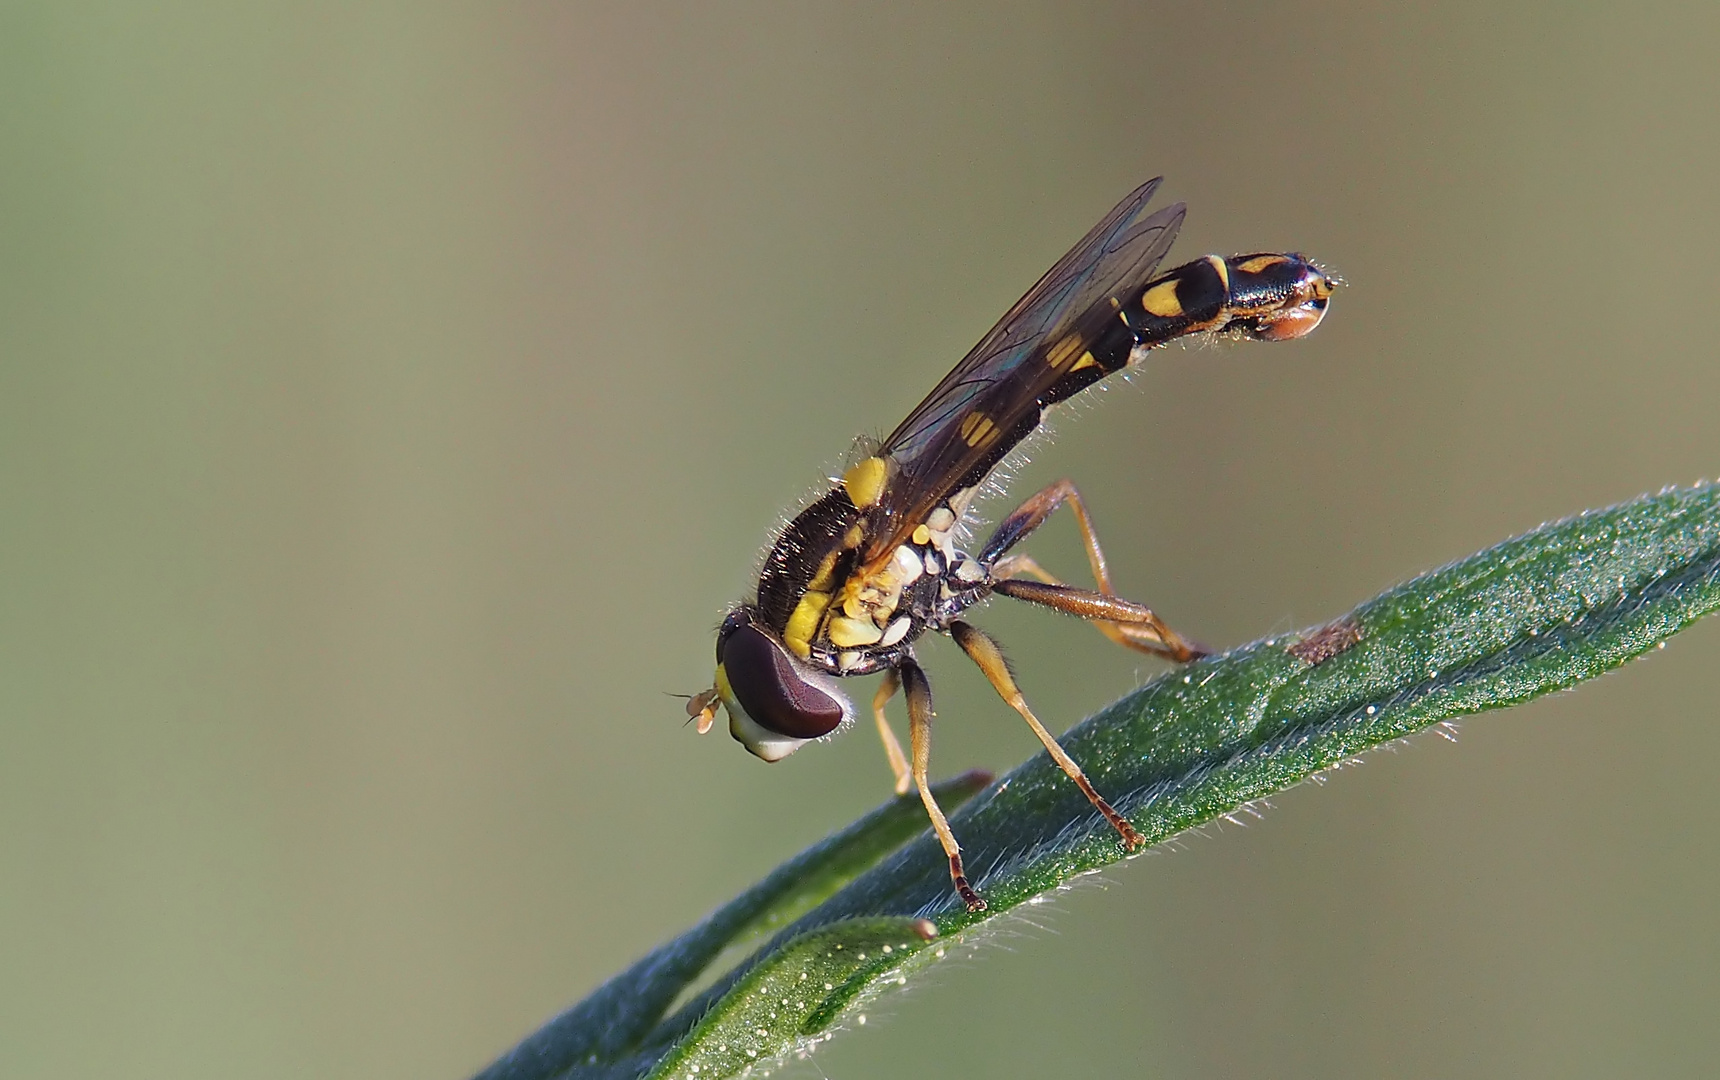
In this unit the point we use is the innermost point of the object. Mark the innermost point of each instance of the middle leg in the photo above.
(982, 650)
(1138, 629)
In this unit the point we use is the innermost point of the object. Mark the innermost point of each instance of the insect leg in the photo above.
(1146, 633)
(1142, 630)
(982, 650)
(919, 693)
(892, 749)
(1032, 514)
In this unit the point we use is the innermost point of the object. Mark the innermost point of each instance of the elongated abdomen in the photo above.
(1266, 296)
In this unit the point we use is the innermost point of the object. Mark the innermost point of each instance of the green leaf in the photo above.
(1536, 614)
(611, 1023)
(789, 999)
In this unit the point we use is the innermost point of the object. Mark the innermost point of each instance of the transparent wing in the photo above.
(928, 456)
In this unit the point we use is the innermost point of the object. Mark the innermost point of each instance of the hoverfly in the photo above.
(860, 574)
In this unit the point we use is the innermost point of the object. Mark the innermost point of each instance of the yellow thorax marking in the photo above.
(848, 633)
(797, 635)
(826, 575)
(1261, 262)
(1161, 300)
(865, 481)
(1086, 361)
(874, 595)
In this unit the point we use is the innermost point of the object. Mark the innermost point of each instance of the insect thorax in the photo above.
(847, 619)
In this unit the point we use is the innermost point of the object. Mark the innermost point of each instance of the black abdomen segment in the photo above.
(1248, 294)
(1251, 295)
(1207, 295)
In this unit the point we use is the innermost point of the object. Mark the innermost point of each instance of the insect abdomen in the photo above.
(1267, 295)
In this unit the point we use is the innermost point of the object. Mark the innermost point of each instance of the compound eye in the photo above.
(769, 685)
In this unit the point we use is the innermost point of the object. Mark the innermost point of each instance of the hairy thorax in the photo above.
(848, 617)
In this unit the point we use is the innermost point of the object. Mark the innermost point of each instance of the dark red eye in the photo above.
(768, 685)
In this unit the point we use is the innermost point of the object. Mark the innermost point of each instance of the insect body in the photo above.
(871, 566)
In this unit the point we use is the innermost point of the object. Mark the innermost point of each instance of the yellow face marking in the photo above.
(1064, 351)
(797, 635)
(922, 535)
(1261, 262)
(865, 481)
(977, 428)
(1085, 362)
(1161, 300)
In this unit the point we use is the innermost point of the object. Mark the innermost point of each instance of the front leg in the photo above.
(892, 749)
(918, 690)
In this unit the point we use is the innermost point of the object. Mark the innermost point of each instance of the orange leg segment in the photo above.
(1132, 626)
(919, 693)
(985, 652)
(892, 749)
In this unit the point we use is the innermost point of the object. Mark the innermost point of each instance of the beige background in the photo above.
(391, 402)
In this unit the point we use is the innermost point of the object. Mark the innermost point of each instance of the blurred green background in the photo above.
(393, 399)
